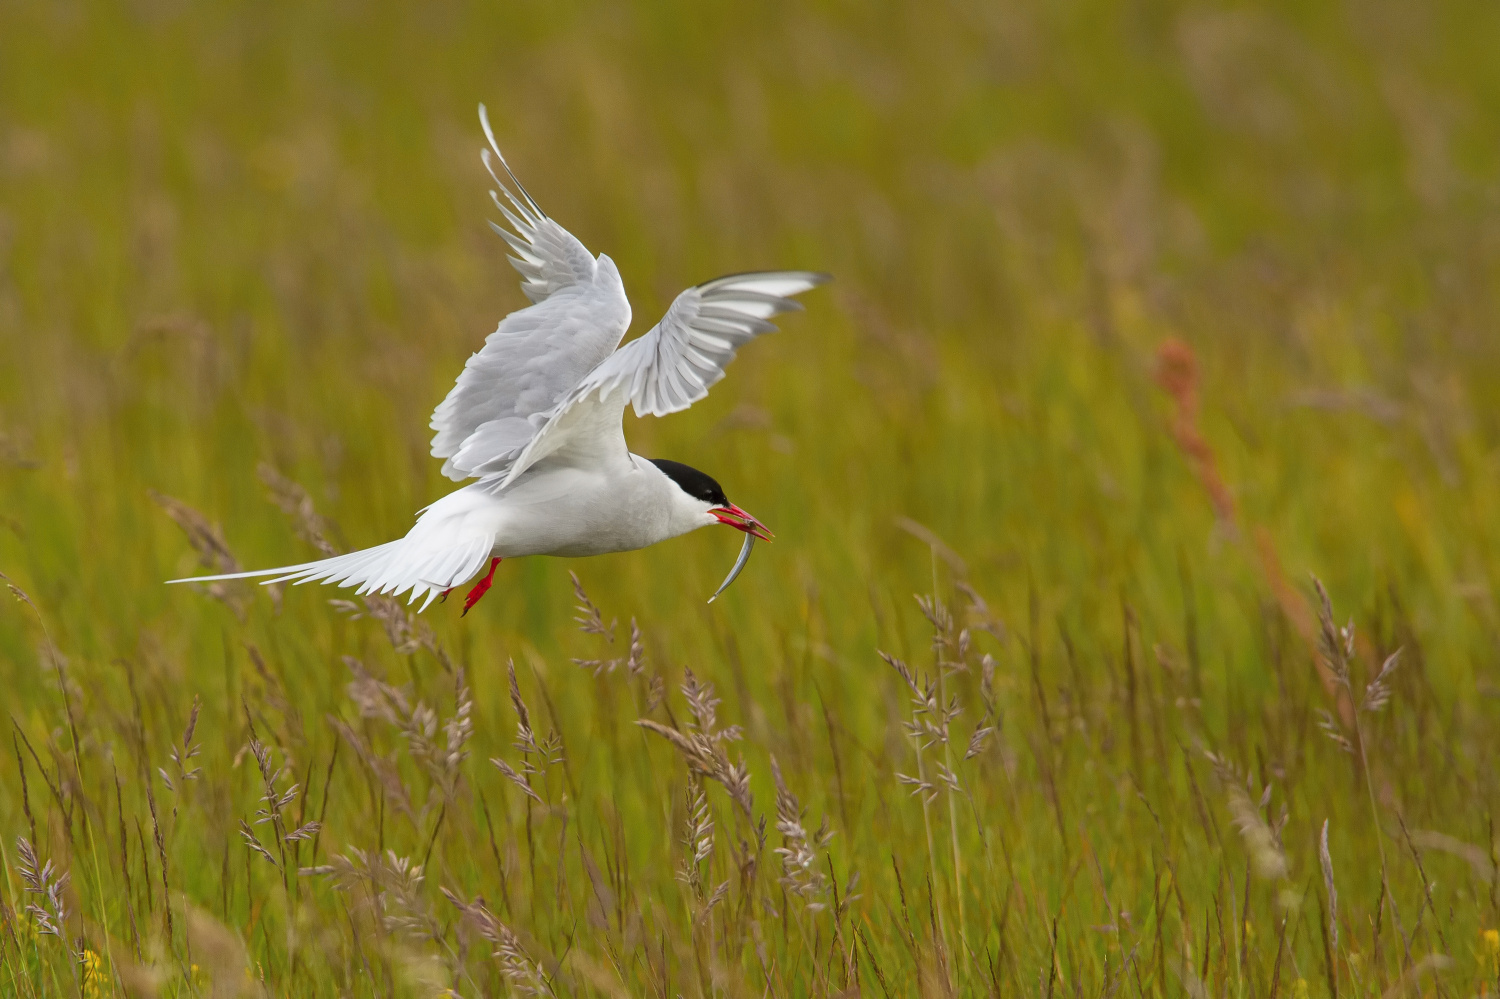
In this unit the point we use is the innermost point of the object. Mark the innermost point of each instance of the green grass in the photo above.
(238, 234)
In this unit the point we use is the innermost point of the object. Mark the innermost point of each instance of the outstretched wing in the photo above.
(669, 368)
(539, 354)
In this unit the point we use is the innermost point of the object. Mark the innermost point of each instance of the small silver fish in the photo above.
(739, 564)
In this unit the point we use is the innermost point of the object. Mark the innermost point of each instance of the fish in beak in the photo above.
(741, 521)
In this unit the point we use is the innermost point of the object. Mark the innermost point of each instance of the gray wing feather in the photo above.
(670, 367)
(537, 355)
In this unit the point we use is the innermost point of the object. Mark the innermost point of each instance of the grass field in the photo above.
(1144, 316)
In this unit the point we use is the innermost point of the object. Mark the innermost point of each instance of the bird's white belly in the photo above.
(560, 509)
(574, 513)
(555, 529)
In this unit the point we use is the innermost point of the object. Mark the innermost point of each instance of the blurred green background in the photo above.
(237, 233)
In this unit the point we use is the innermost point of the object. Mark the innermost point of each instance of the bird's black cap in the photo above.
(693, 482)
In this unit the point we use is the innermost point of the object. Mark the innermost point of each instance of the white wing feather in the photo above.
(669, 368)
(537, 354)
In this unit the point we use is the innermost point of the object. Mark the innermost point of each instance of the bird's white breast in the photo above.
(569, 511)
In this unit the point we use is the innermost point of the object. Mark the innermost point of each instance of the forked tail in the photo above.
(391, 568)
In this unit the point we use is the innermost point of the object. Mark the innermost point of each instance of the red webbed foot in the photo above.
(480, 588)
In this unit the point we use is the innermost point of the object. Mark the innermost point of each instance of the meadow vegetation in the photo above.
(1131, 627)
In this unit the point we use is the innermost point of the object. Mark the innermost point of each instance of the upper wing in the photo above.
(669, 368)
(538, 354)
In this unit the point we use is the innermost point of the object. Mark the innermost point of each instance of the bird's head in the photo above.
(700, 501)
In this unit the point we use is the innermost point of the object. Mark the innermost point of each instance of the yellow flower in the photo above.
(1491, 940)
(1299, 989)
(93, 972)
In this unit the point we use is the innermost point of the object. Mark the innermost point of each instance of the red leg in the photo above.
(482, 587)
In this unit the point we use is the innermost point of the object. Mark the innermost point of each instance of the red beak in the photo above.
(741, 521)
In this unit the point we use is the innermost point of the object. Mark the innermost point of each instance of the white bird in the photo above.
(535, 420)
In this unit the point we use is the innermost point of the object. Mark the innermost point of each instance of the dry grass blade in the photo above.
(1480, 861)
(384, 771)
(525, 737)
(547, 752)
(979, 613)
(1335, 644)
(297, 504)
(403, 629)
(929, 537)
(1326, 861)
(977, 741)
(419, 724)
(1329, 726)
(702, 745)
(183, 755)
(207, 539)
(50, 886)
(516, 965)
(458, 731)
(1261, 840)
(698, 838)
(590, 619)
(926, 790)
(373, 697)
(799, 850)
(703, 706)
(705, 757)
(591, 622)
(394, 884)
(1378, 691)
(247, 835)
(517, 779)
(937, 614)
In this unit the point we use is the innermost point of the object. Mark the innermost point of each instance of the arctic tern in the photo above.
(535, 420)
